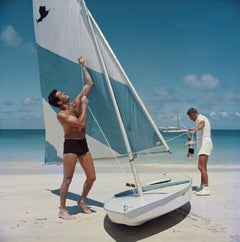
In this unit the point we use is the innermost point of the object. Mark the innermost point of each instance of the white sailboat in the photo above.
(166, 194)
(118, 122)
(174, 129)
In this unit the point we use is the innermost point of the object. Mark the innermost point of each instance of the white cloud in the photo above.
(162, 91)
(224, 114)
(205, 82)
(10, 36)
(213, 115)
(28, 101)
(237, 114)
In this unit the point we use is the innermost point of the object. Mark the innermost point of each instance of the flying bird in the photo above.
(43, 13)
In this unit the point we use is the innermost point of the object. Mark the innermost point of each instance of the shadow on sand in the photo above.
(195, 188)
(75, 197)
(123, 233)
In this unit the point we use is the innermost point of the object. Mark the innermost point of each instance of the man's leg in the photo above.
(202, 166)
(86, 162)
(69, 163)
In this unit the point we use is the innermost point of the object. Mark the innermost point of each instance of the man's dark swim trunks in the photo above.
(191, 150)
(78, 146)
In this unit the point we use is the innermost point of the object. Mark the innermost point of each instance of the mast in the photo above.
(132, 89)
(178, 126)
(115, 105)
(166, 121)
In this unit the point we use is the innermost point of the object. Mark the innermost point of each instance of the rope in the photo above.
(176, 137)
(104, 136)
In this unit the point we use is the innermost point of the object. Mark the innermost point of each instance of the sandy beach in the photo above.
(29, 197)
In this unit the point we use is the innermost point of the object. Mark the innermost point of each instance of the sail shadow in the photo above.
(76, 197)
(126, 233)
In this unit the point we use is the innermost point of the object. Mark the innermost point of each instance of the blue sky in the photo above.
(177, 53)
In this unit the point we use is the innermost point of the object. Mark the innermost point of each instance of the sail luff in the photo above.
(132, 89)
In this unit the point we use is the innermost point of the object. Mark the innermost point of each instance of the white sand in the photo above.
(29, 206)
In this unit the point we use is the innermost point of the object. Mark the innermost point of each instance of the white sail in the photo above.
(64, 30)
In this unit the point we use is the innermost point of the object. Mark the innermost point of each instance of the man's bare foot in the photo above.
(63, 213)
(84, 207)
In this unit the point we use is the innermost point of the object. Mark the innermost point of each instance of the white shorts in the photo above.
(205, 146)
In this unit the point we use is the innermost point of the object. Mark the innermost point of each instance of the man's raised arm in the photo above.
(89, 82)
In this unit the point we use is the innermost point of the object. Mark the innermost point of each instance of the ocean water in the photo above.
(29, 146)
(22, 145)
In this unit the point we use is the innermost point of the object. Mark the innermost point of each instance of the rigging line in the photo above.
(104, 136)
(106, 139)
(176, 137)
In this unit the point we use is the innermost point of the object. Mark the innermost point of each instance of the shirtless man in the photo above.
(204, 145)
(190, 145)
(73, 117)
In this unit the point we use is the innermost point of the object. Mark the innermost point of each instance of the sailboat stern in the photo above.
(157, 200)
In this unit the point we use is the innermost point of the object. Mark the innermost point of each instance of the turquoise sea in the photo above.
(29, 146)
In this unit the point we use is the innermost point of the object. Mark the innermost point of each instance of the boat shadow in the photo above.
(124, 233)
(73, 210)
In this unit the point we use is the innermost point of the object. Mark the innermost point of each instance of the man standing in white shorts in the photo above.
(204, 147)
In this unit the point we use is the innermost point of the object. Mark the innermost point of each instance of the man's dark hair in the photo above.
(191, 110)
(52, 99)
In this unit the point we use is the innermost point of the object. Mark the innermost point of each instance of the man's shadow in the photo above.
(123, 233)
(75, 197)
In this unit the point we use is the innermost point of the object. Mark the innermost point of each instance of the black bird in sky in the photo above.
(43, 13)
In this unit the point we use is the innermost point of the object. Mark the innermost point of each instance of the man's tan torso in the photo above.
(71, 130)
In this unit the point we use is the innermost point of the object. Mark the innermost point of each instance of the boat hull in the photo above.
(134, 210)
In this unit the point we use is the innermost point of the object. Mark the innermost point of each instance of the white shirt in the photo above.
(205, 132)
